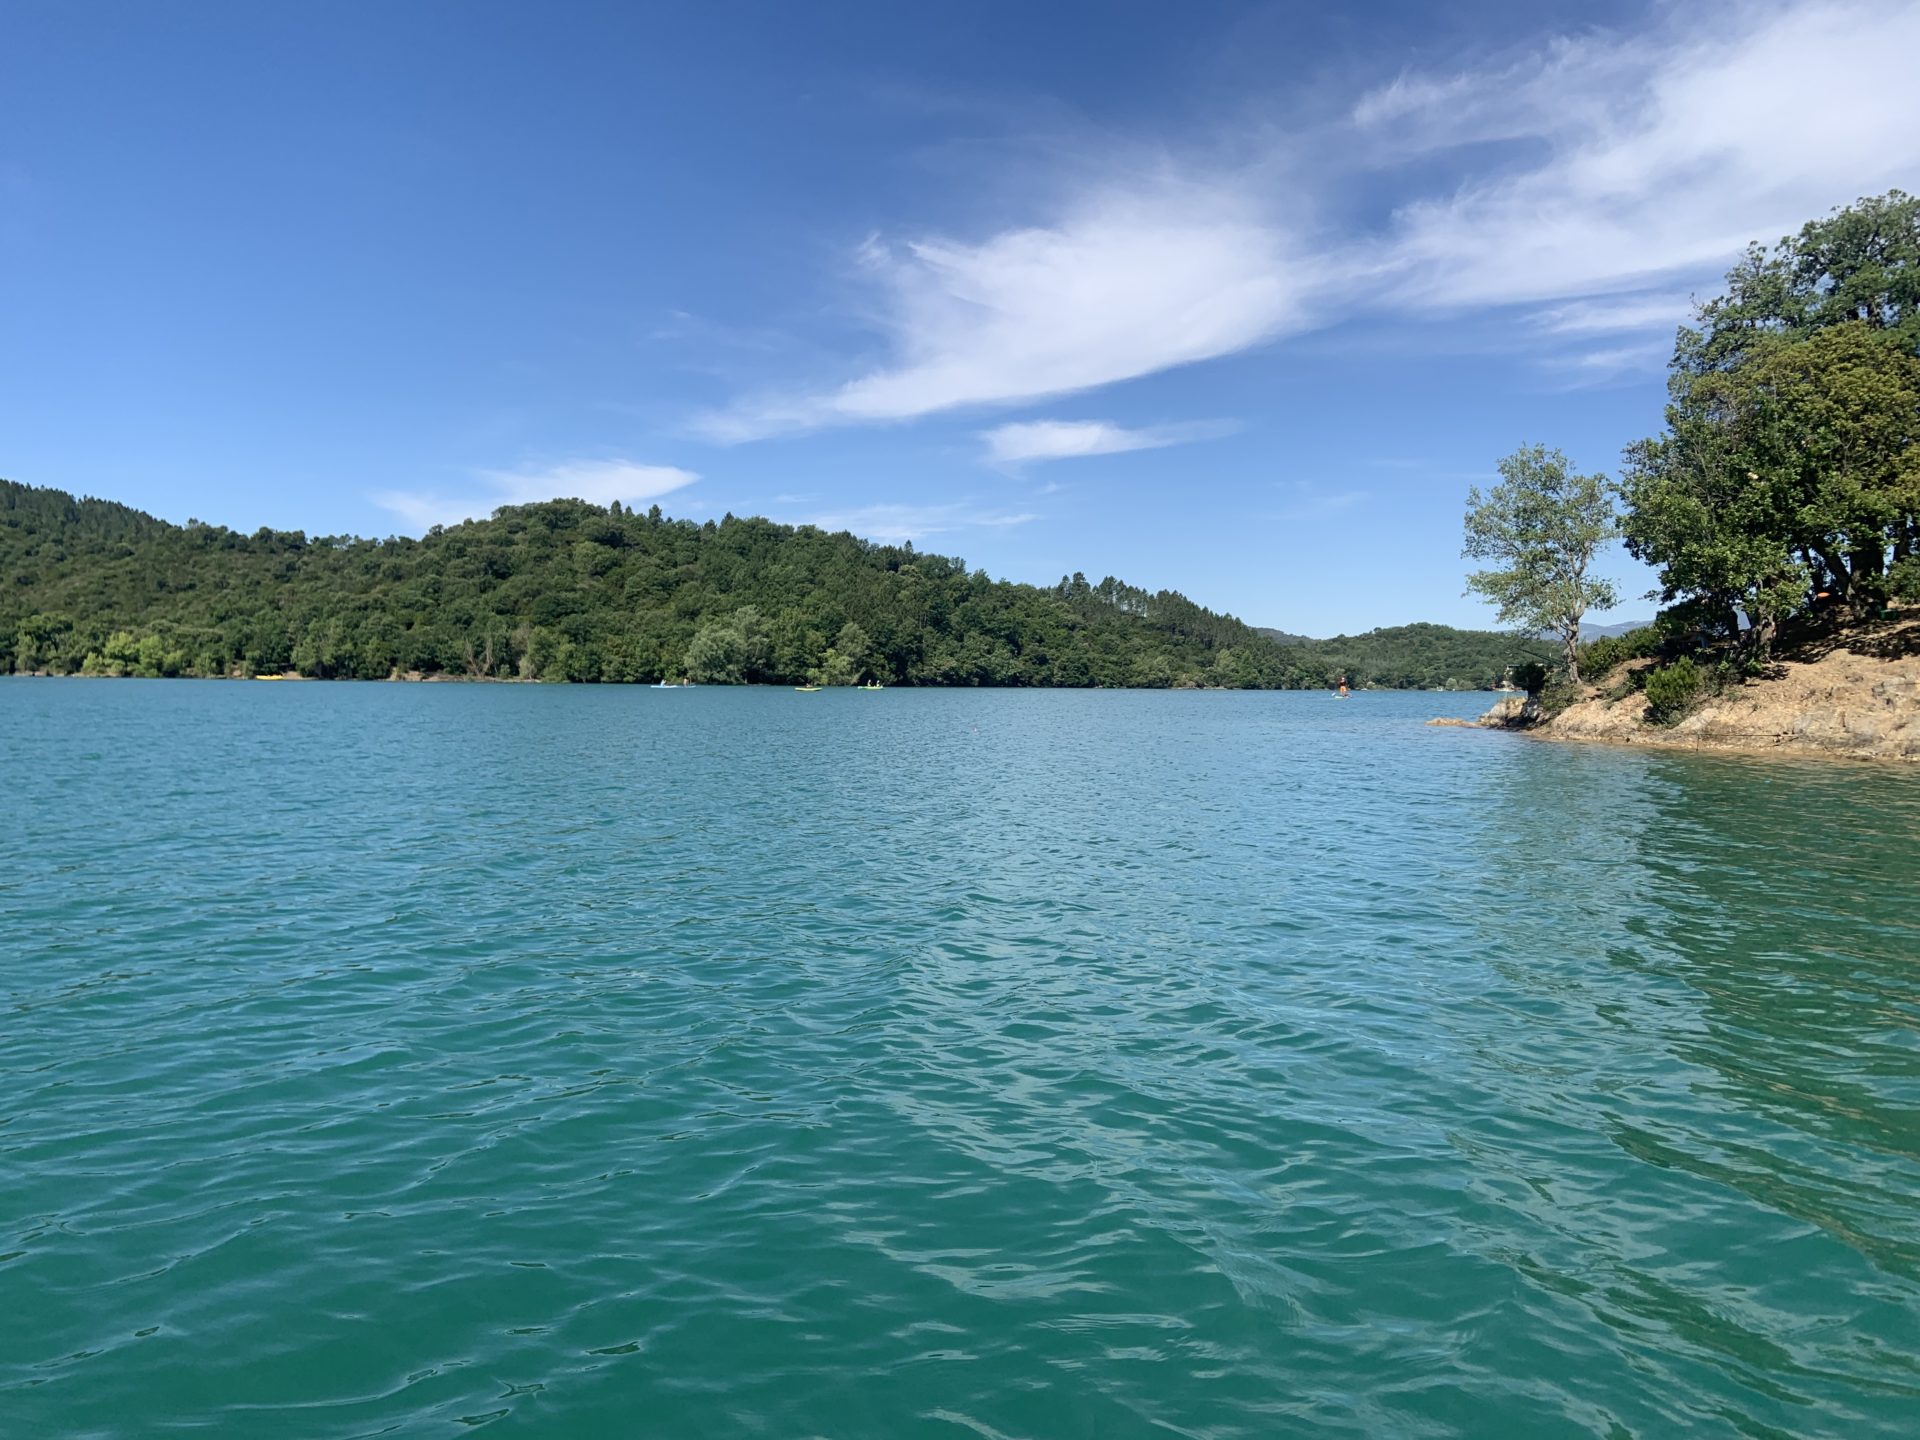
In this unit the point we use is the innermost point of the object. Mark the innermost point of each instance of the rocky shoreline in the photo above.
(1844, 703)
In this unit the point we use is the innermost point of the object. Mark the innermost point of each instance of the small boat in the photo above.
(806, 689)
(875, 685)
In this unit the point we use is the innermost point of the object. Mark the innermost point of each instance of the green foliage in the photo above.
(1558, 693)
(1598, 658)
(1861, 263)
(835, 668)
(1672, 690)
(1423, 657)
(1531, 677)
(1789, 471)
(847, 659)
(567, 591)
(1541, 526)
(1903, 580)
(733, 651)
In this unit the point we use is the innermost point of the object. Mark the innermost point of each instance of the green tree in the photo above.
(1861, 263)
(38, 640)
(151, 658)
(121, 653)
(836, 668)
(717, 654)
(1720, 533)
(1788, 469)
(1673, 690)
(854, 651)
(733, 651)
(1541, 526)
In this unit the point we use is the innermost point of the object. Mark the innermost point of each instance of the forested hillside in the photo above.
(569, 591)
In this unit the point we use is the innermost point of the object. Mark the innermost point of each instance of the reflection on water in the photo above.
(1759, 1063)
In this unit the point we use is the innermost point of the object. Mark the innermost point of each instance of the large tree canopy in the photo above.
(1862, 263)
(1787, 471)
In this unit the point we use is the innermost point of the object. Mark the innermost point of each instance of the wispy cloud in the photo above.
(895, 524)
(1664, 311)
(1124, 283)
(1498, 97)
(1029, 440)
(1659, 154)
(1311, 497)
(600, 482)
(1604, 164)
(1595, 367)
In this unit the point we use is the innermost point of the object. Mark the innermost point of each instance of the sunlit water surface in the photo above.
(595, 1062)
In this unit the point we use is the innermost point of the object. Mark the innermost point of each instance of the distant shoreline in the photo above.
(443, 679)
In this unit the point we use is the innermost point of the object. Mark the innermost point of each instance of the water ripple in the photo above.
(411, 1060)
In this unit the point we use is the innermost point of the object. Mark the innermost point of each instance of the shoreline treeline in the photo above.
(569, 591)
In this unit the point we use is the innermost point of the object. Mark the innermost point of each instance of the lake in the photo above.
(401, 1059)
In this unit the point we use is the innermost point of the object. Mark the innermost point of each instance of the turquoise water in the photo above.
(593, 1062)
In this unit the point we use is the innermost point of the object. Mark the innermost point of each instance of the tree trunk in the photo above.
(1870, 559)
(1837, 573)
(1570, 639)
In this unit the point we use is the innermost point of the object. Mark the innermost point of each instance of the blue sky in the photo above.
(1232, 299)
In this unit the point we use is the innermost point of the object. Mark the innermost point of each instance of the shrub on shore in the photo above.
(1598, 658)
(1672, 690)
(1903, 580)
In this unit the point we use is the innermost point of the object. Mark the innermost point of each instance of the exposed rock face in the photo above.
(1842, 703)
(1512, 713)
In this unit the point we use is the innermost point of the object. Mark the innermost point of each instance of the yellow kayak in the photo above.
(806, 689)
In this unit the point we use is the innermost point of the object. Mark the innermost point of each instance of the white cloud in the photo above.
(1568, 79)
(1124, 284)
(1665, 311)
(894, 524)
(1664, 155)
(1595, 366)
(599, 482)
(1594, 175)
(1027, 440)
